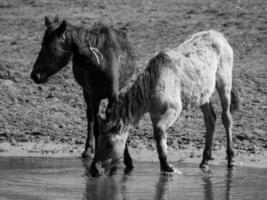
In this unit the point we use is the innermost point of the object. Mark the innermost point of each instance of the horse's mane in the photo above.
(135, 101)
(102, 37)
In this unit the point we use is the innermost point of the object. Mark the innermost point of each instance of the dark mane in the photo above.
(136, 100)
(102, 37)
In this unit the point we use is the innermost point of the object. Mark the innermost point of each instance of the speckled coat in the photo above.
(175, 79)
(204, 60)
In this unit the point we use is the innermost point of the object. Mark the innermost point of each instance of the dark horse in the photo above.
(103, 62)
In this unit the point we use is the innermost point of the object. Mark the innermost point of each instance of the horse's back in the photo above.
(191, 78)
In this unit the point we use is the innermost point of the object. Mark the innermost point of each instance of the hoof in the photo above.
(128, 169)
(231, 164)
(171, 170)
(211, 158)
(87, 154)
(177, 171)
(204, 166)
(112, 171)
(94, 171)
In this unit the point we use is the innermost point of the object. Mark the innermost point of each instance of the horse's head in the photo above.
(55, 52)
(113, 133)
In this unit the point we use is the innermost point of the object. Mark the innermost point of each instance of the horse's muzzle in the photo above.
(39, 78)
(96, 169)
(100, 168)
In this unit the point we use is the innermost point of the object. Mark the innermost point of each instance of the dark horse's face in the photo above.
(113, 133)
(55, 52)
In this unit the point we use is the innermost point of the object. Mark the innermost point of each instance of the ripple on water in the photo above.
(31, 178)
(35, 184)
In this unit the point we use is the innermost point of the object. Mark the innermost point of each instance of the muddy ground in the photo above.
(50, 119)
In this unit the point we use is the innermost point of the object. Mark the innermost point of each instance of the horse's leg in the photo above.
(224, 91)
(96, 104)
(127, 160)
(160, 125)
(90, 140)
(209, 119)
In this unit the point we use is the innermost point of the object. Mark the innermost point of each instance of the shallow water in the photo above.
(66, 178)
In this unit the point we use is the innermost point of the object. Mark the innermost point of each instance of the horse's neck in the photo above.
(135, 101)
(79, 41)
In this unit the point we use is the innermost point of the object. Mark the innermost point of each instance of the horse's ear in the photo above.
(103, 109)
(62, 27)
(56, 19)
(47, 21)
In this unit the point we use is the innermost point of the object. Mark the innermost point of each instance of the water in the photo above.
(66, 178)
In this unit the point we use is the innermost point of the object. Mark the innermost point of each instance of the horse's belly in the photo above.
(195, 96)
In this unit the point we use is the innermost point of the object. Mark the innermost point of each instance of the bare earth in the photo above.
(50, 120)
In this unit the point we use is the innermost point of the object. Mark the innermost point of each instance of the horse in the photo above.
(174, 80)
(102, 63)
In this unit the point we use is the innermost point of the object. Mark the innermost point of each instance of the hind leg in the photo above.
(225, 96)
(161, 123)
(209, 119)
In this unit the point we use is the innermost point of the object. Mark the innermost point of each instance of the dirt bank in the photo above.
(54, 113)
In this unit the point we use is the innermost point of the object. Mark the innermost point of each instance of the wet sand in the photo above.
(189, 155)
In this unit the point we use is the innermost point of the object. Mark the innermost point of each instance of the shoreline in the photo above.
(190, 155)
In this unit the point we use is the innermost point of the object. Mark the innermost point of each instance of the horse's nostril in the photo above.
(35, 77)
(38, 77)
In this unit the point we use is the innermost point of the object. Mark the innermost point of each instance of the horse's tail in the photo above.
(234, 100)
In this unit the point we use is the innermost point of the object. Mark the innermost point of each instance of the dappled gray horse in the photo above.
(102, 63)
(173, 80)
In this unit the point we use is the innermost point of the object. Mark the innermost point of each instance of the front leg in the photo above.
(161, 137)
(90, 140)
(127, 160)
(161, 122)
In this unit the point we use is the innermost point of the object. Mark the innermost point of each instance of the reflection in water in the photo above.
(229, 180)
(102, 188)
(167, 187)
(162, 187)
(62, 178)
(208, 193)
(208, 186)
